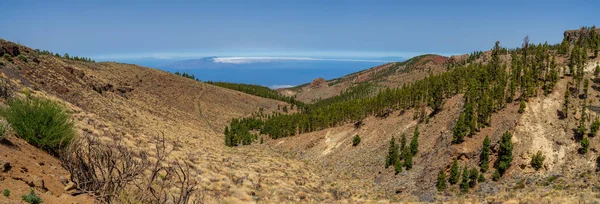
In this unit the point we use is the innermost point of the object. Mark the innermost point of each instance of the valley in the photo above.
(237, 143)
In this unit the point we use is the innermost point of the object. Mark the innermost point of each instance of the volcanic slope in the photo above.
(133, 104)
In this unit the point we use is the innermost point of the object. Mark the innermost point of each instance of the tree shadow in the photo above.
(9, 144)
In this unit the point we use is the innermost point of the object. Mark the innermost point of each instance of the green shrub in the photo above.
(6, 192)
(22, 58)
(31, 198)
(40, 122)
(585, 143)
(537, 161)
(355, 140)
(7, 57)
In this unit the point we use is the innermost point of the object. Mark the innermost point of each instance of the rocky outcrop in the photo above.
(573, 35)
(318, 82)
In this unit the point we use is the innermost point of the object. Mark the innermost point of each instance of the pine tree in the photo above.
(408, 163)
(586, 84)
(505, 154)
(594, 127)
(398, 167)
(454, 173)
(441, 181)
(473, 175)
(392, 156)
(227, 137)
(464, 184)
(414, 143)
(484, 157)
(522, 106)
(537, 161)
(481, 178)
(403, 141)
(496, 176)
(585, 143)
(459, 130)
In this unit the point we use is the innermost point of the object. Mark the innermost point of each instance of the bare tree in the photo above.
(111, 170)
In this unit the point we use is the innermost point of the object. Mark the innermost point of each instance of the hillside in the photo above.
(130, 104)
(533, 107)
(392, 75)
(235, 147)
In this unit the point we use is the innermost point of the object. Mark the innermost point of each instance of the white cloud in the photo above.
(280, 86)
(247, 60)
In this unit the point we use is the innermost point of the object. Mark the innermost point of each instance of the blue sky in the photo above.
(125, 29)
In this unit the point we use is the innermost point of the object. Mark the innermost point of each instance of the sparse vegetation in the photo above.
(355, 140)
(32, 198)
(186, 75)
(6, 192)
(537, 161)
(41, 122)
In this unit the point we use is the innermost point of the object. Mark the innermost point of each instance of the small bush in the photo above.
(22, 58)
(40, 122)
(537, 161)
(31, 198)
(522, 106)
(585, 143)
(355, 140)
(7, 57)
(6, 192)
